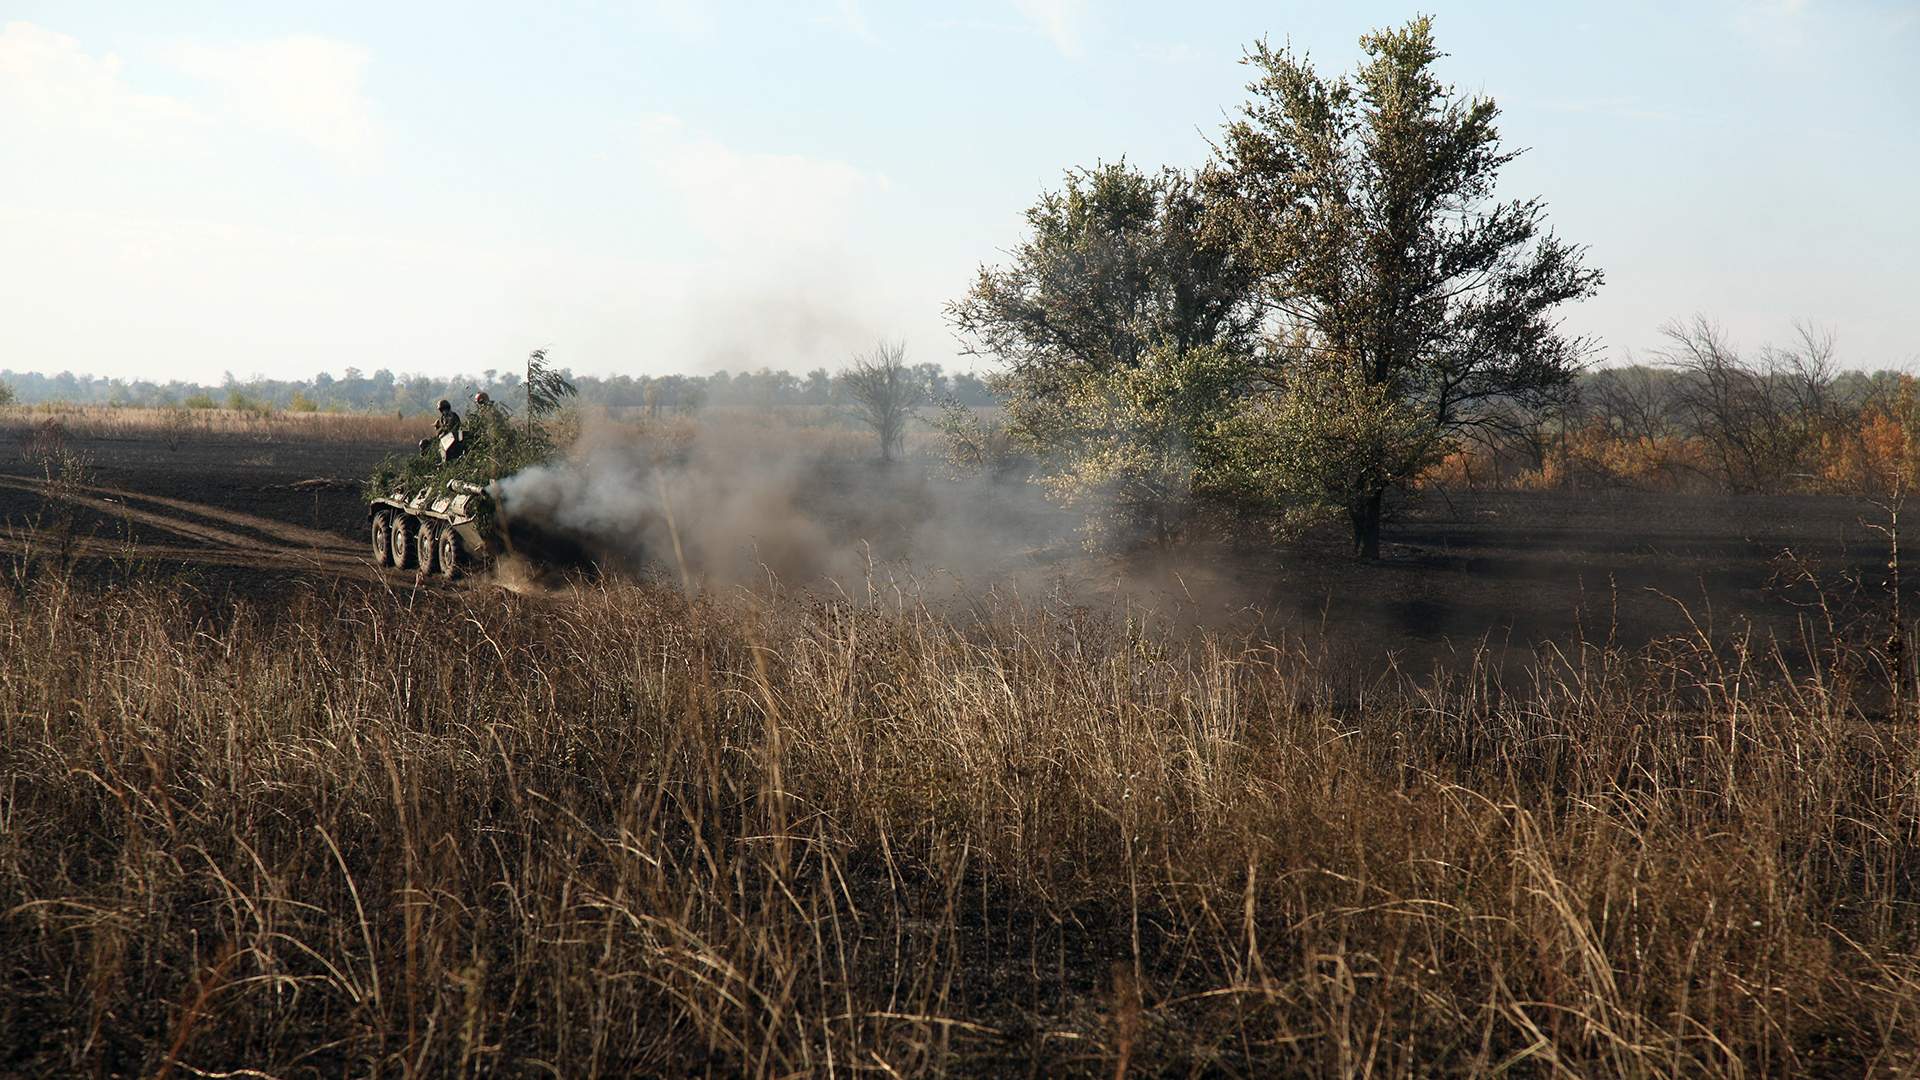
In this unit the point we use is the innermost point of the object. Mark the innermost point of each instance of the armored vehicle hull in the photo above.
(445, 532)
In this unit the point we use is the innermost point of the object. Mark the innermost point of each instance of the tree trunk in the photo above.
(1365, 512)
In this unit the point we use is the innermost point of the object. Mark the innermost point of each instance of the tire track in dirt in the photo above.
(260, 542)
(286, 532)
(136, 554)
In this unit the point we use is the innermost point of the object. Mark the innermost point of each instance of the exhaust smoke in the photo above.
(739, 503)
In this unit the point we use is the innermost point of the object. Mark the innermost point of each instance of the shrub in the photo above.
(980, 445)
(1129, 444)
(240, 401)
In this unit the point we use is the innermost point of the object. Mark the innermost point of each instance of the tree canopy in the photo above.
(1345, 248)
(1367, 207)
(1096, 318)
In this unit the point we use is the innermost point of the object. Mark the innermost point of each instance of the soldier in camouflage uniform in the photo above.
(446, 427)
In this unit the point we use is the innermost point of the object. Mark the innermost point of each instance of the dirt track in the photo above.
(234, 515)
(230, 513)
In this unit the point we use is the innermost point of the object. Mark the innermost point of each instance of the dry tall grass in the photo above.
(182, 425)
(439, 833)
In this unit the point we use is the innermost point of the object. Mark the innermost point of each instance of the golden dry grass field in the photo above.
(297, 819)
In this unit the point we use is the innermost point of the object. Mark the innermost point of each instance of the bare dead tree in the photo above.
(883, 391)
(1523, 434)
(1758, 417)
(1633, 402)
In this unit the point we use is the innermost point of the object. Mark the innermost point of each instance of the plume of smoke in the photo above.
(740, 503)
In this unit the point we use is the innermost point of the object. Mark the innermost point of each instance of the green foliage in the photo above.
(1118, 295)
(385, 391)
(300, 402)
(1130, 445)
(979, 445)
(1323, 442)
(1348, 226)
(1117, 264)
(198, 401)
(1366, 205)
(495, 447)
(240, 401)
(546, 388)
(6, 395)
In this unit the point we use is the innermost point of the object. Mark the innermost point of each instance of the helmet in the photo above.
(481, 398)
(445, 405)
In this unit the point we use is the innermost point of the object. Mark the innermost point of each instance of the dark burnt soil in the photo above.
(228, 514)
(1503, 574)
(1510, 571)
(242, 516)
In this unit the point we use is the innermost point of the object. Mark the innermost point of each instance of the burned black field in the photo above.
(243, 517)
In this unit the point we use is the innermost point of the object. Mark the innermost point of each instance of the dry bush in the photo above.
(617, 832)
(1709, 417)
(1760, 418)
(48, 447)
(47, 536)
(883, 393)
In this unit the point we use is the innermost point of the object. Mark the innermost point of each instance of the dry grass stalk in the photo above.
(616, 832)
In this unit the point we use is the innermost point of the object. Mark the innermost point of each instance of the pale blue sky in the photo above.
(659, 185)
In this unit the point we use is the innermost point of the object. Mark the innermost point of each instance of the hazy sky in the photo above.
(191, 187)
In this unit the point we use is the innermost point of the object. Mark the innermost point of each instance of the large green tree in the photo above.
(1117, 263)
(1367, 207)
(1118, 294)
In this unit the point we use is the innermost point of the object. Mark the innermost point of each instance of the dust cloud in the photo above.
(733, 503)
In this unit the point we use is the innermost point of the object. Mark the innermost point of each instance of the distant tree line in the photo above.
(385, 391)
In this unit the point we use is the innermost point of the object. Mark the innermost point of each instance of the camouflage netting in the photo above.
(496, 446)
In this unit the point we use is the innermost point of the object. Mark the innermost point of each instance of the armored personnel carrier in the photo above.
(439, 510)
(440, 532)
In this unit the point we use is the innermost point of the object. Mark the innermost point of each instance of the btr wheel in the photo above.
(402, 545)
(426, 543)
(446, 556)
(382, 543)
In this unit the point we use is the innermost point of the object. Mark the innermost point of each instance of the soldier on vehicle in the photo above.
(484, 407)
(446, 428)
